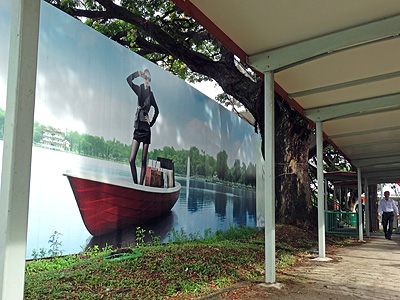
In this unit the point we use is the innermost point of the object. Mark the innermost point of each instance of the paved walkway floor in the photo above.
(369, 270)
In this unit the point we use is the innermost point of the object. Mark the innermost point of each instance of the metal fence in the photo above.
(341, 222)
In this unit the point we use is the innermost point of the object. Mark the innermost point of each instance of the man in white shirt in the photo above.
(387, 207)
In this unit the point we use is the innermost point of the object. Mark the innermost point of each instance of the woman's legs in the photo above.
(144, 160)
(132, 158)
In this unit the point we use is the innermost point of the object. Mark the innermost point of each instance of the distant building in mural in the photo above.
(54, 139)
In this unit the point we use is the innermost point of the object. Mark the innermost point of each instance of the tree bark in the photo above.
(292, 183)
(373, 207)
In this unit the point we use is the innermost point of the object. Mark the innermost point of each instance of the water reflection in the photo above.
(127, 237)
(53, 207)
(225, 200)
(204, 203)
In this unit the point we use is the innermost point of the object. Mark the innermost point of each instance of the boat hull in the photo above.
(107, 207)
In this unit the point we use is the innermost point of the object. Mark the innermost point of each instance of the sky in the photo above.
(81, 86)
(209, 88)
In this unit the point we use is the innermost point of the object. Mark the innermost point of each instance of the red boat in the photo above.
(108, 204)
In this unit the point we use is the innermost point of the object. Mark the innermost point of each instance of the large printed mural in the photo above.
(100, 112)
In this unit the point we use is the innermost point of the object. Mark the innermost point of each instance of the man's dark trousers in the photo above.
(387, 217)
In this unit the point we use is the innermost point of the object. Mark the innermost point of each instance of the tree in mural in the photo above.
(161, 32)
(250, 174)
(222, 165)
(236, 171)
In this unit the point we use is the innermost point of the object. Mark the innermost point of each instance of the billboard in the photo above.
(87, 99)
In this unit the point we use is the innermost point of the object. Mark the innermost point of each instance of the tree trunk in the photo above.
(353, 199)
(373, 207)
(292, 183)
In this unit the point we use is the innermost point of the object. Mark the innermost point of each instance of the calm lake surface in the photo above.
(52, 206)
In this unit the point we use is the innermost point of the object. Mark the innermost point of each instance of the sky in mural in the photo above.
(81, 86)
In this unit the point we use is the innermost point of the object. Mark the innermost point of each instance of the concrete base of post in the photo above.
(322, 259)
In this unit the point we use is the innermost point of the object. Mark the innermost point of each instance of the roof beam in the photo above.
(343, 85)
(364, 145)
(283, 57)
(384, 169)
(351, 144)
(370, 144)
(371, 155)
(369, 131)
(385, 165)
(390, 174)
(376, 161)
(358, 107)
(383, 180)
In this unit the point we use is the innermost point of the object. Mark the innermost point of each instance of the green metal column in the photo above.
(320, 177)
(269, 177)
(17, 148)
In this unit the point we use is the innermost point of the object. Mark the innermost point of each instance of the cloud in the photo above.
(65, 102)
(81, 86)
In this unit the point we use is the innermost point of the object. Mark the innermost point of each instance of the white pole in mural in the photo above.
(187, 178)
(17, 149)
(260, 189)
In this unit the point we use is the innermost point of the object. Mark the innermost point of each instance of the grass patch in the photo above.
(184, 268)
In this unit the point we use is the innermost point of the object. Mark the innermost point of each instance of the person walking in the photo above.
(387, 208)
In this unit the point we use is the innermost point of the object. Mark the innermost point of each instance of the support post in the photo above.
(334, 196)
(359, 188)
(269, 179)
(380, 220)
(325, 182)
(17, 147)
(367, 209)
(320, 177)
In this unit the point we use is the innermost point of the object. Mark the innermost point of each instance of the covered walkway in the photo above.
(336, 63)
(368, 270)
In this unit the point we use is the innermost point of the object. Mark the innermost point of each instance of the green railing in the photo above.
(341, 222)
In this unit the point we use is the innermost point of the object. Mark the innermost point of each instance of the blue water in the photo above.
(52, 205)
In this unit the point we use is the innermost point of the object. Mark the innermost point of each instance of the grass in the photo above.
(184, 268)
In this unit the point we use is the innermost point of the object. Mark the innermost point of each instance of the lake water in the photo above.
(52, 206)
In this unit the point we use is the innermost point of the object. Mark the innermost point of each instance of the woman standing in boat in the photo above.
(142, 124)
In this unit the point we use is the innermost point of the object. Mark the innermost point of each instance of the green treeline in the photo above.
(201, 163)
(204, 165)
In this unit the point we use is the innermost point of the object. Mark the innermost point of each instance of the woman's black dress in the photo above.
(146, 99)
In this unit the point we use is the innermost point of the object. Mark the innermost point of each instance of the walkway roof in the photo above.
(335, 61)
